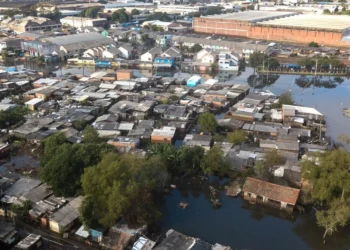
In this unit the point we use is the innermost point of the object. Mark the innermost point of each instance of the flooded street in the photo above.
(243, 226)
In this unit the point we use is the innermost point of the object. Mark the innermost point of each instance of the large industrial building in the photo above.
(279, 26)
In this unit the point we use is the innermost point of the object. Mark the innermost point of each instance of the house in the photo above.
(172, 52)
(194, 81)
(206, 57)
(291, 113)
(124, 75)
(120, 236)
(64, 218)
(281, 197)
(37, 194)
(31, 242)
(126, 51)
(111, 52)
(204, 141)
(163, 135)
(80, 22)
(8, 234)
(150, 55)
(178, 241)
(94, 52)
(174, 112)
(19, 188)
(228, 62)
(33, 104)
(143, 243)
(164, 62)
(30, 23)
(124, 142)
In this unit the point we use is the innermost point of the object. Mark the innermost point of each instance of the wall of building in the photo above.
(244, 29)
(331, 38)
(221, 27)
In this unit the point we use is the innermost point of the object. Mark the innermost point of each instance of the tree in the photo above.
(62, 164)
(196, 48)
(326, 12)
(308, 63)
(257, 59)
(168, 154)
(21, 209)
(135, 12)
(161, 16)
(284, 99)
(120, 16)
(329, 174)
(214, 10)
(237, 137)
(12, 116)
(90, 12)
(79, 124)
(154, 28)
(273, 158)
(190, 159)
(214, 163)
(207, 122)
(86, 213)
(91, 135)
(337, 215)
(272, 63)
(314, 44)
(123, 186)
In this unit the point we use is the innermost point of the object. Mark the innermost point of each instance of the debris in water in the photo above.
(183, 204)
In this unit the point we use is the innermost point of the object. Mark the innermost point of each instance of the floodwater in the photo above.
(243, 226)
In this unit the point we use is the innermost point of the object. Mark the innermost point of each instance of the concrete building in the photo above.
(228, 62)
(163, 135)
(30, 23)
(279, 26)
(77, 44)
(281, 197)
(79, 22)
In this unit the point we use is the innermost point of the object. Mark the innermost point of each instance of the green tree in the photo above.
(237, 137)
(257, 59)
(135, 12)
(273, 158)
(168, 154)
(91, 135)
(154, 28)
(207, 122)
(123, 186)
(21, 209)
(79, 124)
(62, 164)
(326, 12)
(90, 12)
(284, 99)
(337, 215)
(214, 163)
(308, 63)
(86, 213)
(120, 16)
(196, 48)
(214, 10)
(314, 44)
(190, 159)
(329, 174)
(161, 16)
(12, 116)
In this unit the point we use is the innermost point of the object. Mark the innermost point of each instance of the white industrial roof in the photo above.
(252, 16)
(165, 131)
(306, 110)
(334, 22)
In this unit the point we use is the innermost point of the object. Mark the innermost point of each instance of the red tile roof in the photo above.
(272, 191)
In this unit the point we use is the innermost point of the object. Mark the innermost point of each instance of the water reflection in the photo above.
(262, 81)
(319, 82)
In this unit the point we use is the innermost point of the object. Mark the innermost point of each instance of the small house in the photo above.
(33, 104)
(124, 142)
(124, 74)
(193, 81)
(204, 141)
(163, 135)
(150, 55)
(164, 62)
(111, 52)
(64, 218)
(172, 52)
(277, 196)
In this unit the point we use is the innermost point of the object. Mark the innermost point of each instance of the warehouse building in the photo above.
(279, 26)
(324, 29)
(234, 24)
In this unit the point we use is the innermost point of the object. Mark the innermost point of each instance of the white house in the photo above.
(111, 53)
(172, 52)
(151, 54)
(126, 51)
(206, 56)
(227, 61)
(94, 52)
(79, 22)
